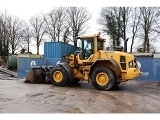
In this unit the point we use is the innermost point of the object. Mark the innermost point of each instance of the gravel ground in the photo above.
(129, 97)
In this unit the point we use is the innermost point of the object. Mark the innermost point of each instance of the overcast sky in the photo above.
(24, 9)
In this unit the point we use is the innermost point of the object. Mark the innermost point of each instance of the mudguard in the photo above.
(112, 61)
(68, 70)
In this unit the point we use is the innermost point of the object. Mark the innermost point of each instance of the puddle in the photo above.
(49, 96)
(35, 95)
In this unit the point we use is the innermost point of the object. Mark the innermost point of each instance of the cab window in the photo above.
(86, 47)
(99, 44)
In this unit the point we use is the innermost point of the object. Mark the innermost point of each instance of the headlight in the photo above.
(130, 64)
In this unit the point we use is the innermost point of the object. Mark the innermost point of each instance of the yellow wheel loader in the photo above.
(91, 63)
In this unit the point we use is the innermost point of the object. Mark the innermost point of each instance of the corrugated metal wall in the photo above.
(57, 49)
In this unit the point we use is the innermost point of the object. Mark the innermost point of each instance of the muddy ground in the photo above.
(130, 97)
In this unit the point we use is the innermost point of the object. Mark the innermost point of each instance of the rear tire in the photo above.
(102, 78)
(59, 76)
(116, 85)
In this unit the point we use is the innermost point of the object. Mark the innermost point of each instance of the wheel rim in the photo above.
(58, 76)
(102, 78)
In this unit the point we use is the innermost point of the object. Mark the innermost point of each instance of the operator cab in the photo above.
(89, 45)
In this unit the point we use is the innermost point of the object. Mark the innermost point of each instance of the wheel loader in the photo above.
(91, 63)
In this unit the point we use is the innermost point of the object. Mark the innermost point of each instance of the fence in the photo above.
(149, 66)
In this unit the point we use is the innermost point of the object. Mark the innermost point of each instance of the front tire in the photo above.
(59, 76)
(102, 78)
(76, 80)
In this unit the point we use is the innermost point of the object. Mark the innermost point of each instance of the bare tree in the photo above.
(37, 24)
(77, 19)
(112, 24)
(124, 17)
(50, 24)
(16, 27)
(61, 16)
(4, 38)
(27, 34)
(135, 20)
(11, 34)
(1, 29)
(55, 23)
(61, 21)
(66, 34)
(149, 16)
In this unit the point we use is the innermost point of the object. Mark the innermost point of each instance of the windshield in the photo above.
(86, 47)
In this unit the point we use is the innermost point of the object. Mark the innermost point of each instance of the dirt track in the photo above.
(130, 97)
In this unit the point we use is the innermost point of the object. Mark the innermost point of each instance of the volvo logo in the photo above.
(146, 73)
(33, 63)
(139, 64)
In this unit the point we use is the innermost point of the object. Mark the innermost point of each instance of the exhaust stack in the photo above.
(125, 45)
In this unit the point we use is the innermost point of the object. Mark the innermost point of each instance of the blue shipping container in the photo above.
(58, 49)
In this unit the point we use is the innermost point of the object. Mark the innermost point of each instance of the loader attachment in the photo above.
(39, 74)
(30, 77)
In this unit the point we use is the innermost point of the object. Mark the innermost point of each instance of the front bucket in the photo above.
(30, 77)
(35, 75)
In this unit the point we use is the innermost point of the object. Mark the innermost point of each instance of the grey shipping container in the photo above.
(58, 49)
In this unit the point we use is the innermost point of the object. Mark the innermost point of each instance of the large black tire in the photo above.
(59, 76)
(103, 78)
(116, 85)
